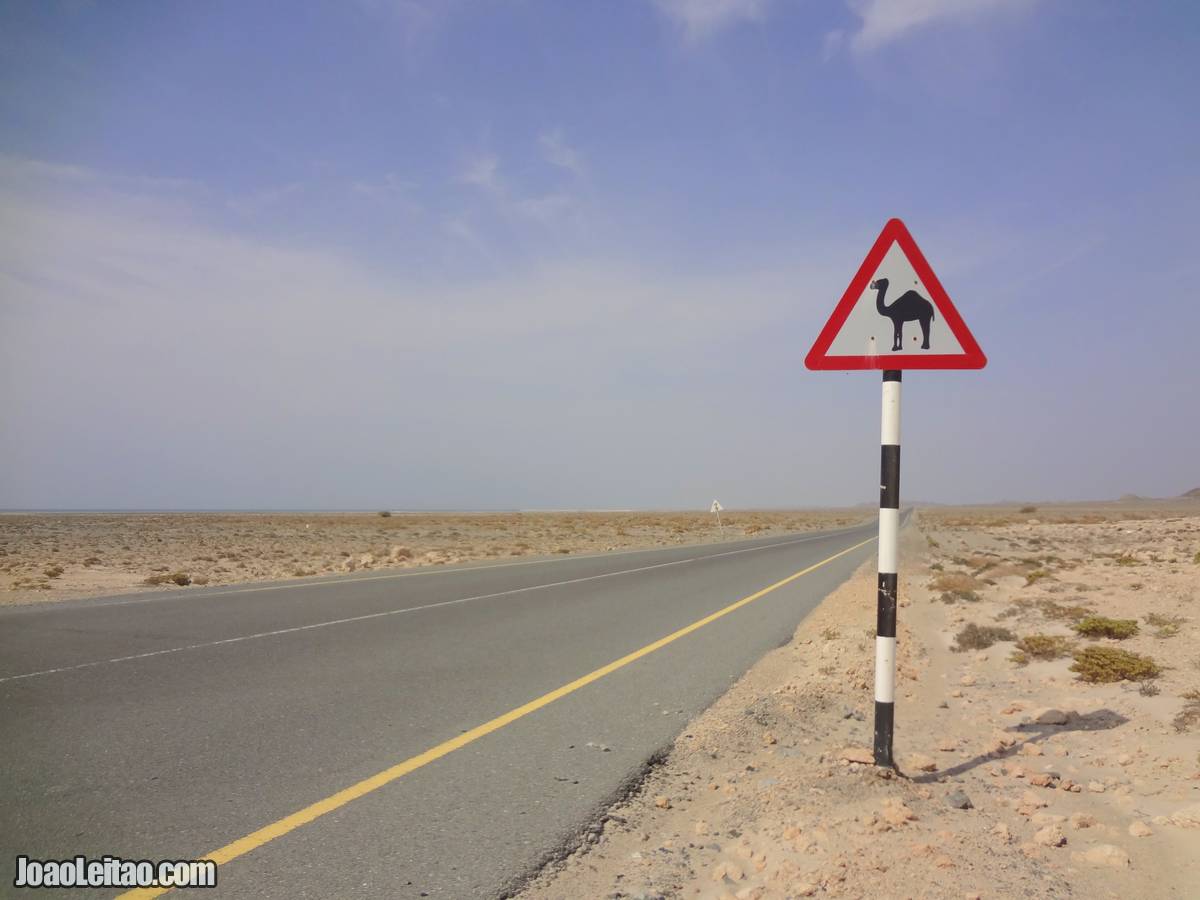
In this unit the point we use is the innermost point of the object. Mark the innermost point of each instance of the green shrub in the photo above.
(980, 637)
(1108, 664)
(1102, 626)
(1045, 646)
(1028, 509)
(1127, 560)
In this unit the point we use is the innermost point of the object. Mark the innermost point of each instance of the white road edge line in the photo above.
(396, 612)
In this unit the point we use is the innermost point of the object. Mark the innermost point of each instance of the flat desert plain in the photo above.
(53, 556)
(1047, 732)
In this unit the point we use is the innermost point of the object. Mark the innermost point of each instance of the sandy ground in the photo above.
(1070, 789)
(59, 556)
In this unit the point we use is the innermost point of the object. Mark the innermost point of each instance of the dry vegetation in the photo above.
(78, 555)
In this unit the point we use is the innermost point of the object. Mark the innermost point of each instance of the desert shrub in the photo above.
(1189, 717)
(955, 581)
(200, 579)
(52, 571)
(1148, 688)
(1045, 646)
(980, 637)
(1108, 664)
(1052, 610)
(92, 561)
(1165, 626)
(1028, 509)
(1196, 558)
(954, 596)
(1035, 576)
(385, 513)
(156, 579)
(1102, 626)
(1127, 560)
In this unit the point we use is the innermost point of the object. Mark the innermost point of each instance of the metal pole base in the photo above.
(884, 719)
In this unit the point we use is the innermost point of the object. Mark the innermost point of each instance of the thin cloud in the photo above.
(887, 21)
(700, 19)
(558, 152)
(483, 172)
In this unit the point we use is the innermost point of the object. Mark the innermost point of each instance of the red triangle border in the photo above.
(896, 232)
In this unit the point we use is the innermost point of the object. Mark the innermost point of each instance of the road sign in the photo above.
(895, 315)
(716, 507)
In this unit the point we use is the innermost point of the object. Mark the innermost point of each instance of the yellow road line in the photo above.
(277, 829)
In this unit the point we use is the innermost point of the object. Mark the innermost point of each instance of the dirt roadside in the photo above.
(57, 556)
(1019, 779)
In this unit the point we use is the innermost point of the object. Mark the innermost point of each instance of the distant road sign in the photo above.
(716, 507)
(895, 315)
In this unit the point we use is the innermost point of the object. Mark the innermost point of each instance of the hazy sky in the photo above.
(537, 253)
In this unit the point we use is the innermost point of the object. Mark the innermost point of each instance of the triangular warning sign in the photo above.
(895, 315)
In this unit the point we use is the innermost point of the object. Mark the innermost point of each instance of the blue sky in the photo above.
(533, 253)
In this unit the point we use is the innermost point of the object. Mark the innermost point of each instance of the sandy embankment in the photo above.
(57, 556)
(1018, 779)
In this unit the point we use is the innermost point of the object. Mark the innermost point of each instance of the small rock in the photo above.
(959, 800)
(1082, 820)
(1188, 817)
(729, 870)
(1139, 829)
(1042, 779)
(922, 763)
(1050, 836)
(858, 755)
(1050, 717)
(1106, 855)
(1096, 787)
(1124, 759)
(896, 813)
(967, 681)
(662, 802)
(1037, 801)
(769, 738)
(1001, 831)
(1031, 750)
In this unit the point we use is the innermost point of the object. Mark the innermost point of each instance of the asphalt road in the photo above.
(168, 726)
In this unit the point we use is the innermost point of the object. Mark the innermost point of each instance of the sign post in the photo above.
(857, 337)
(716, 508)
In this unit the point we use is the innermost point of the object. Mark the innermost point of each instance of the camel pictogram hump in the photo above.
(908, 307)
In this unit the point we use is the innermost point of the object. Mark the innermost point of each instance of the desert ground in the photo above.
(1047, 736)
(70, 555)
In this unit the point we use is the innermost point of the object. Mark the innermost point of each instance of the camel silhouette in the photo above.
(908, 307)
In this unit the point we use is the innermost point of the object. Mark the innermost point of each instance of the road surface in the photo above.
(416, 734)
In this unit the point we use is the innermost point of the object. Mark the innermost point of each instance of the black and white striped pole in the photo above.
(889, 529)
(854, 338)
